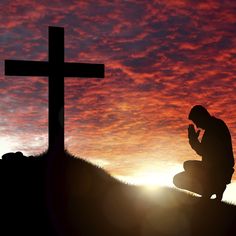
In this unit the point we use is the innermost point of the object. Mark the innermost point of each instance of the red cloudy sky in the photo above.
(161, 58)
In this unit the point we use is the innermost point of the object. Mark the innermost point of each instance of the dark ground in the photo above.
(69, 196)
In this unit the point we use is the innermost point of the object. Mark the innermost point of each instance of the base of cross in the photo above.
(57, 150)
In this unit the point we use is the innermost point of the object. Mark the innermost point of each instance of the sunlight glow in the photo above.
(230, 193)
(5, 146)
(151, 177)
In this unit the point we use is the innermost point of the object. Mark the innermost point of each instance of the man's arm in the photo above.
(193, 140)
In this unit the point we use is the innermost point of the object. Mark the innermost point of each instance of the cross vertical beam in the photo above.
(56, 69)
(56, 89)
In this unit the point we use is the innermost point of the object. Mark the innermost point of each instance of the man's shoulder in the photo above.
(216, 122)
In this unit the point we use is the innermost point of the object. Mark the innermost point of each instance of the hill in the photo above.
(70, 196)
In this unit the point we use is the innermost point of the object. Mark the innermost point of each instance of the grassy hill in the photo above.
(63, 195)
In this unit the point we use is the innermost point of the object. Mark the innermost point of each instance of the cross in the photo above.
(55, 69)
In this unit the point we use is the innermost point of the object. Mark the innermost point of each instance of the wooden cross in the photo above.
(55, 69)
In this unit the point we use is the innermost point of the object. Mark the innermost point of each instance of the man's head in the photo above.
(200, 116)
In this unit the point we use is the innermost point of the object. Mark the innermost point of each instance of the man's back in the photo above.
(217, 146)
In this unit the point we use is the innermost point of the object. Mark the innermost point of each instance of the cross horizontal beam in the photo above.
(85, 70)
(42, 68)
(26, 68)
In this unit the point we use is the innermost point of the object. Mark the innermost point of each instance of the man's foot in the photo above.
(219, 193)
(206, 195)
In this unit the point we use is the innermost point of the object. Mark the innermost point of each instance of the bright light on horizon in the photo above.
(230, 193)
(151, 178)
(6, 146)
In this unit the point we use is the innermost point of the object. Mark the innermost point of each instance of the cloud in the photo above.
(161, 57)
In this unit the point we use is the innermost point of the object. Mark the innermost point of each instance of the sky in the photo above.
(161, 58)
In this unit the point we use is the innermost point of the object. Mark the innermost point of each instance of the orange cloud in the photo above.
(161, 57)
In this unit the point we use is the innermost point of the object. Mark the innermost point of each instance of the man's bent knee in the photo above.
(186, 165)
(192, 165)
(177, 180)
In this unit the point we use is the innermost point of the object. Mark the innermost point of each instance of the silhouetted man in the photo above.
(212, 174)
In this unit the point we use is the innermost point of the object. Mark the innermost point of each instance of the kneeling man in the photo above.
(212, 174)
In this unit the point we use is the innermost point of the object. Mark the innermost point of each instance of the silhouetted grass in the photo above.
(59, 194)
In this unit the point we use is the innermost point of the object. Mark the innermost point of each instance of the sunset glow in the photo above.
(152, 177)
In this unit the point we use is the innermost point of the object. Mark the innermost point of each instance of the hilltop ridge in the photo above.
(66, 195)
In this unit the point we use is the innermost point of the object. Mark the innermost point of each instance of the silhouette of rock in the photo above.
(14, 156)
